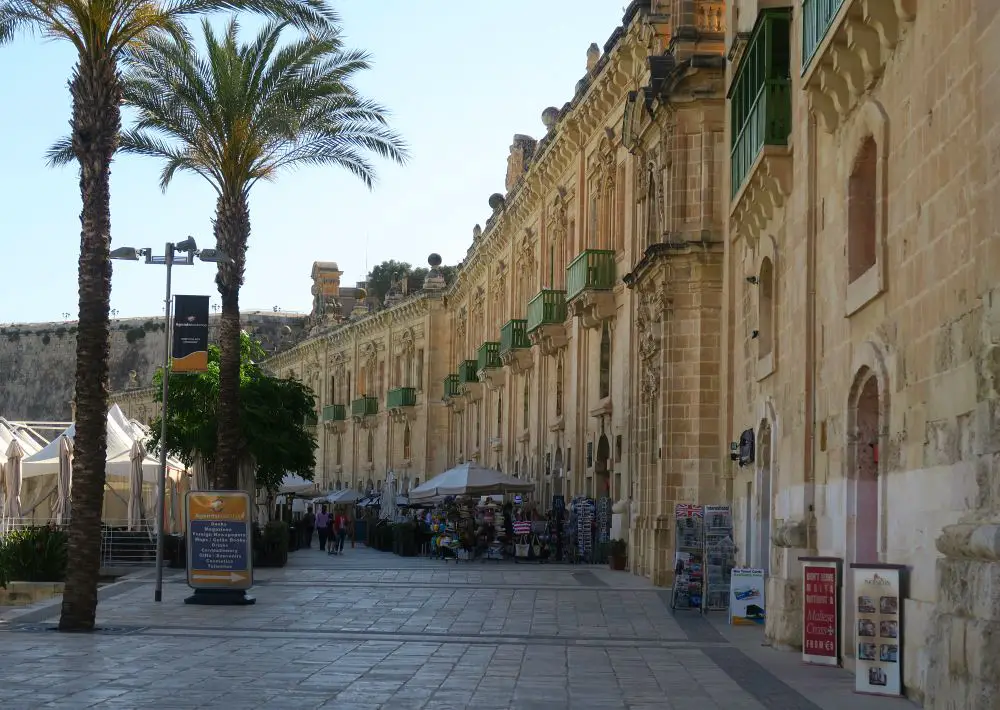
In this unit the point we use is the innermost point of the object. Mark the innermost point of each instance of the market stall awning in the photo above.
(469, 479)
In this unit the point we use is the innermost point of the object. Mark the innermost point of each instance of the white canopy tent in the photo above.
(296, 485)
(40, 471)
(469, 479)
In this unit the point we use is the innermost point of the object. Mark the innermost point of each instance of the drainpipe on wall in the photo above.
(812, 229)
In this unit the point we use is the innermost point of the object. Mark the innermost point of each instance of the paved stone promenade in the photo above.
(372, 630)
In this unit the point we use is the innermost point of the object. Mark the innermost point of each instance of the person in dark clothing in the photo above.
(308, 525)
(323, 527)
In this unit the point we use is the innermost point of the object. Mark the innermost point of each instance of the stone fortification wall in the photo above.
(37, 360)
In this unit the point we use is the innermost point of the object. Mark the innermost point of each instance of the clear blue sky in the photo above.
(460, 80)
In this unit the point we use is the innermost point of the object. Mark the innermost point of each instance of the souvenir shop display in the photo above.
(720, 556)
(689, 556)
(581, 527)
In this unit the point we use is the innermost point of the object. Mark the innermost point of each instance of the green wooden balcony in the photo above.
(451, 386)
(311, 419)
(592, 269)
(364, 407)
(548, 307)
(817, 16)
(488, 356)
(514, 335)
(760, 98)
(467, 372)
(334, 413)
(401, 397)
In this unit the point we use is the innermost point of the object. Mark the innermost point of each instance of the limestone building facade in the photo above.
(862, 315)
(580, 344)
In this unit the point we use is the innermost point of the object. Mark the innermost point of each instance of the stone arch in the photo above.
(766, 260)
(864, 464)
(864, 163)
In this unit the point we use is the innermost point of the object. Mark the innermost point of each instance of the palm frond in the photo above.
(240, 112)
(61, 153)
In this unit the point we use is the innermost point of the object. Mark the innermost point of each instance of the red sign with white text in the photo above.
(820, 623)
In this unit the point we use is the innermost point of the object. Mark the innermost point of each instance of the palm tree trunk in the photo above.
(96, 123)
(232, 233)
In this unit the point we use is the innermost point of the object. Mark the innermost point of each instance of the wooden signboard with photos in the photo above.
(878, 604)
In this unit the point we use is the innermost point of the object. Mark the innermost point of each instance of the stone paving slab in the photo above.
(369, 630)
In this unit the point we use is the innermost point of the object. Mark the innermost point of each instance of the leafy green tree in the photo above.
(381, 277)
(241, 113)
(273, 416)
(104, 34)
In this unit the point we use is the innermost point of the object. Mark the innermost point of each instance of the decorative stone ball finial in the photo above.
(361, 294)
(435, 281)
(496, 201)
(593, 55)
(549, 117)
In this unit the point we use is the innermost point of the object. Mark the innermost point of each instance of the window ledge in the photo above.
(864, 289)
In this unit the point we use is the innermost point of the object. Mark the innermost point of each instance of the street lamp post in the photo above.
(181, 254)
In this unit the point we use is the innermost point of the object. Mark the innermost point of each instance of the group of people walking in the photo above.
(332, 530)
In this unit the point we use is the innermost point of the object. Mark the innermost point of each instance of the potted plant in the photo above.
(617, 555)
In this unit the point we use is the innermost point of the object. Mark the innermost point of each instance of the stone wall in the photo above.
(37, 360)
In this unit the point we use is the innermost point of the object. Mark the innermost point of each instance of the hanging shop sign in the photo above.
(821, 610)
(190, 335)
(746, 596)
(877, 600)
(220, 539)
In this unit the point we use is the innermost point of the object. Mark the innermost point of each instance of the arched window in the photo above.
(479, 421)
(380, 387)
(371, 446)
(348, 398)
(765, 308)
(862, 212)
(605, 362)
(363, 381)
(406, 442)
(339, 449)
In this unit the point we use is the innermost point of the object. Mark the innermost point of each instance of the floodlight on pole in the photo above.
(170, 257)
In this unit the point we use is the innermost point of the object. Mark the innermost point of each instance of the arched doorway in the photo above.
(602, 469)
(864, 500)
(557, 473)
(762, 547)
(865, 538)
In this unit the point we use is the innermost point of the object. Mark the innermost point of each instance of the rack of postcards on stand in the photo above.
(704, 557)
(689, 552)
(720, 556)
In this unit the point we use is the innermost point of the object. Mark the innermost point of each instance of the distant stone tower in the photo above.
(325, 289)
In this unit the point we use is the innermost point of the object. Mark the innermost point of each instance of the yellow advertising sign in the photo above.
(219, 540)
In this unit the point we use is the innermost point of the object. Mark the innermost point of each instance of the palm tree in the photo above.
(103, 33)
(240, 114)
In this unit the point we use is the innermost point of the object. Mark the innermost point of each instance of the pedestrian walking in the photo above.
(308, 525)
(323, 527)
(340, 529)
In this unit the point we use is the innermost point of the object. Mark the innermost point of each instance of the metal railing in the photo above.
(120, 546)
(514, 335)
(760, 97)
(467, 372)
(450, 386)
(817, 16)
(401, 397)
(488, 356)
(592, 269)
(364, 407)
(548, 307)
(334, 413)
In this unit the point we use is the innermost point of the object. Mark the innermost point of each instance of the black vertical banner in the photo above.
(190, 346)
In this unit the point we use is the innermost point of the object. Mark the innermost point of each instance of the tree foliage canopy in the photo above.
(381, 277)
(273, 413)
